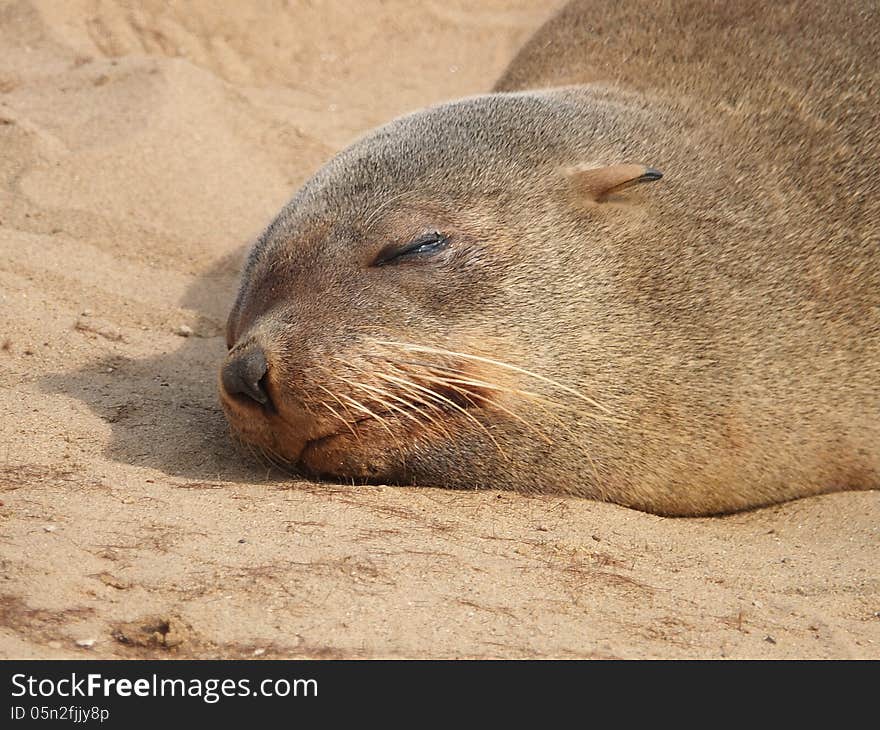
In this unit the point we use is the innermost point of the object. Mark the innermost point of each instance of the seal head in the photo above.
(403, 319)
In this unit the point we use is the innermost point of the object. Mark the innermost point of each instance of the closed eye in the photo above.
(421, 247)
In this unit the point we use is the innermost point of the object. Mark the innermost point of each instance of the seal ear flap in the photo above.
(597, 183)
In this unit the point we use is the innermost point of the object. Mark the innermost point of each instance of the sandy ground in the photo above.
(141, 147)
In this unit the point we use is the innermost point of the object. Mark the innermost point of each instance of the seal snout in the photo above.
(243, 376)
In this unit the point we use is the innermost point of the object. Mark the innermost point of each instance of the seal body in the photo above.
(486, 294)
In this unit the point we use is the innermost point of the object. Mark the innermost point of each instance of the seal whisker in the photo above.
(282, 464)
(267, 458)
(416, 400)
(528, 425)
(484, 384)
(361, 407)
(379, 392)
(442, 399)
(274, 458)
(333, 411)
(543, 403)
(259, 458)
(514, 368)
(258, 454)
(538, 400)
(471, 394)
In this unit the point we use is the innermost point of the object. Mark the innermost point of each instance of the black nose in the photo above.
(243, 375)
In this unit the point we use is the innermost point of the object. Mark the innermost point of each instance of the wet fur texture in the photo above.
(705, 343)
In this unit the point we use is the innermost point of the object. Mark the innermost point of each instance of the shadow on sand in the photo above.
(163, 409)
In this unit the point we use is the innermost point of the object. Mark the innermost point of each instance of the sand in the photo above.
(141, 148)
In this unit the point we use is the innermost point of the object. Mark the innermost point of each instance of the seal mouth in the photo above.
(392, 423)
(372, 447)
(327, 438)
(313, 449)
(367, 420)
(334, 453)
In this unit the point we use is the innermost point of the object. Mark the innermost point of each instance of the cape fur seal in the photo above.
(487, 293)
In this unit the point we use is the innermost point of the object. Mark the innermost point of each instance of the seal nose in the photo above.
(243, 375)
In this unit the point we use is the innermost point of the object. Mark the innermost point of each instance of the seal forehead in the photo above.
(519, 128)
(463, 145)
(492, 146)
(447, 152)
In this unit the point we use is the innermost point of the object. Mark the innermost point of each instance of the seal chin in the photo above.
(321, 453)
(260, 431)
(343, 455)
(321, 457)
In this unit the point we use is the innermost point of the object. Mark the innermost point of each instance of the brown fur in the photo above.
(705, 343)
